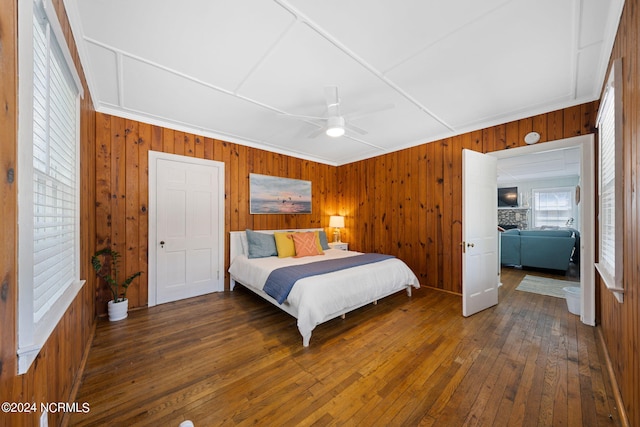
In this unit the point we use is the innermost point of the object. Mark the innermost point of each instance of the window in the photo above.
(49, 221)
(554, 207)
(609, 123)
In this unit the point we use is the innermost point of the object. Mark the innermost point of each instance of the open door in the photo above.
(480, 272)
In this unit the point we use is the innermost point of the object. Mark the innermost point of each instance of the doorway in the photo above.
(586, 220)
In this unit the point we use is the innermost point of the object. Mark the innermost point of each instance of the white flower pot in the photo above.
(118, 310)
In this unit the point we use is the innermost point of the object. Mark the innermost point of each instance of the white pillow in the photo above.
(244, 243)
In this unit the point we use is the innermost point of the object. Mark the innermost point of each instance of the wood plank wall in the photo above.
(408, 203)
(52, 376)
(8, 199)
(122, 148)
(621, 322)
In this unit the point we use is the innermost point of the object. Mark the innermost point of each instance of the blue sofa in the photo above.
(550, 249)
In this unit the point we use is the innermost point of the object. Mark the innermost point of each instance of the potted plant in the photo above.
(119, 305)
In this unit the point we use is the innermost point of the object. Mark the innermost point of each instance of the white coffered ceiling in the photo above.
(541, 165)
(228, 68)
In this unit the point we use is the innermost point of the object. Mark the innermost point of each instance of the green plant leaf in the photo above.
(111, 277)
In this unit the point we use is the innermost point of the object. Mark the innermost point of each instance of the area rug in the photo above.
(544, 286)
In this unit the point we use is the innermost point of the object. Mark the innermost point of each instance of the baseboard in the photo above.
(433, 288)
(78, 380)
(622, 412)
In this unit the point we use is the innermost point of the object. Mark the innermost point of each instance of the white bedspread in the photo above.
(317, 299)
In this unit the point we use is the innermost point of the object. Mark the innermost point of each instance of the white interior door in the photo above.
(480, 272)
(189, 228)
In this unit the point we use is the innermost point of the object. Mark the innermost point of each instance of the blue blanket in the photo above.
(281, 280)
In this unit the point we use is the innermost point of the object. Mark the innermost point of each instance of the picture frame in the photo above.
(277, 195)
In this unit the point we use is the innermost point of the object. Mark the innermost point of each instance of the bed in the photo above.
(320, 297)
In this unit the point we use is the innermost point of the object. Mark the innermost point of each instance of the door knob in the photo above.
(162, 243)
(470, 245)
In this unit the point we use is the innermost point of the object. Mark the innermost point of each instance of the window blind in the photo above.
(54, 171)
(553, 207)
(609, 124)
(606, 128)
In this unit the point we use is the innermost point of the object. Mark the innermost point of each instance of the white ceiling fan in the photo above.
(335, 124)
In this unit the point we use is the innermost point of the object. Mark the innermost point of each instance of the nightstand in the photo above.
(339, 245)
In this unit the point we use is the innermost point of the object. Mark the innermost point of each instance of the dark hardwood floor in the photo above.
(233, 359)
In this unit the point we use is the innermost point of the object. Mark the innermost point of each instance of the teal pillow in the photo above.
(546, 233)
(323, 240)
(261, 245)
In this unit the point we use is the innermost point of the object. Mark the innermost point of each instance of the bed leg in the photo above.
(375, 302)
(305, 340)
(232, 284)
(409, 291)
(342, 316)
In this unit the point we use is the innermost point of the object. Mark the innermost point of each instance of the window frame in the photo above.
(612, 275)
(32, 334)
(562, 189)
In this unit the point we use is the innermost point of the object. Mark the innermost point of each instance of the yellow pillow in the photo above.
(284, 244)
(320, 248)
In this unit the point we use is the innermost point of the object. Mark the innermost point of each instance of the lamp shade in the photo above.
(336, 221)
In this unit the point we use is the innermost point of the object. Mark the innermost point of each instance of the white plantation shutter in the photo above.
(49, 198)
(610, 182)
(55, 199)
(607, 140)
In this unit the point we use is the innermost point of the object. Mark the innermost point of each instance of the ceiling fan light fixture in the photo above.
(335, 126)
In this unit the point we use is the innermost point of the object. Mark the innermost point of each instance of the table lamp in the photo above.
(337, 222)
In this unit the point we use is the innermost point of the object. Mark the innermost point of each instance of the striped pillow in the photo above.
(306, 244)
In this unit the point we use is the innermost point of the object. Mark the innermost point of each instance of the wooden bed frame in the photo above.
(236, 248)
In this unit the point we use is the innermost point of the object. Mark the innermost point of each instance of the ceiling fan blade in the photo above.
(300, 116)
(371, 111)
(355, 129)
(316, 132)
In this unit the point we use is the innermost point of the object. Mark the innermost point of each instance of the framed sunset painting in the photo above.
(275, 195)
